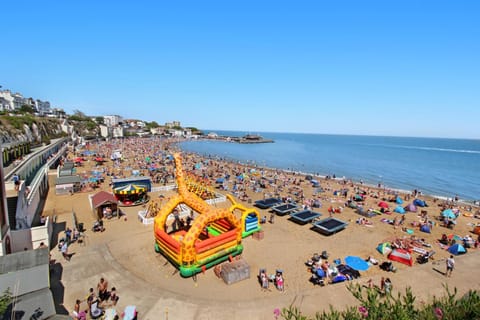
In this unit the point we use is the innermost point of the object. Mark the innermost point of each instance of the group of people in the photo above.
(96, 302)
(277, 279)
(385, 287)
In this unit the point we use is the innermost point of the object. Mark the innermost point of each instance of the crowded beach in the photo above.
(291, 257)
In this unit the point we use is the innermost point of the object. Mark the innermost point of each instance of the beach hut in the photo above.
(457, 249)
(402, 256)
(399, 209)
(384, 248)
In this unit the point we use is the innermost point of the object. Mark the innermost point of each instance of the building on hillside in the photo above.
(42, 107)
(158, 131)
(6, 101)
(111, 132)
(118, 132)
(172, 124)
(112, 120)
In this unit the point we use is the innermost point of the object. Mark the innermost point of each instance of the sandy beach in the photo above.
(124, 253)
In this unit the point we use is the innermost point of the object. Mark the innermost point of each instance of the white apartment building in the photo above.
(6, 101)
(112, 120)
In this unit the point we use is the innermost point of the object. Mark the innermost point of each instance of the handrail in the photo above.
(33, 156)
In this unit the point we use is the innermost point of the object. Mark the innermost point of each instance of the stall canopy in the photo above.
(130, 189)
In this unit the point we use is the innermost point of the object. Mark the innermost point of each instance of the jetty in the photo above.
(249, 138)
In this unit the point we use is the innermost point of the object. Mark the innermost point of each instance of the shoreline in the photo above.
(368, 184)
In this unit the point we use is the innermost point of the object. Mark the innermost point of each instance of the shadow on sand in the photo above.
(56, 286)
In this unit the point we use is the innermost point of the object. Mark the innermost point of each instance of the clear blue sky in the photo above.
(403, 68)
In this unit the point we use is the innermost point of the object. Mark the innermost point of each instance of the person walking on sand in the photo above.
(450, 265)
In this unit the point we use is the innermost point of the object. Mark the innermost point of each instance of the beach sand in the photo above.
(125, 256)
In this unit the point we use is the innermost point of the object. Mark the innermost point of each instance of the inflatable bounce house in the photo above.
(214, 236)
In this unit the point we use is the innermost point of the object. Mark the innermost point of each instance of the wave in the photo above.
(434, 149)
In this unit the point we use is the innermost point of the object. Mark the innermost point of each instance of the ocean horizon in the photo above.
(440, 167)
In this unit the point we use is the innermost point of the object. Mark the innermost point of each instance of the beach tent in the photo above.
(425, 228)
(384, 248)
(398, 200)
(358, 197)
(457, 249)
(383, 204)
(399, 209)
(420, 203)
(448, 213)
(411, 207)
(402, 256)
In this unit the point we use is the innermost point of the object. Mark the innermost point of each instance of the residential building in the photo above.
(43, 107)
(112, 120)
(6, 101)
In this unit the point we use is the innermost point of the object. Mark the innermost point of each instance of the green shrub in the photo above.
(375, 306)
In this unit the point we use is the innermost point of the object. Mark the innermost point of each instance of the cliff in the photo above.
(37, 130)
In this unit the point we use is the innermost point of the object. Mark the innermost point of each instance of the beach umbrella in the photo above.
(383, 204)
(356, 263)
(220, 180)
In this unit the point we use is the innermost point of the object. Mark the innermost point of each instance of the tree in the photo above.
(5, 300)
(27, 109)
(79, 114)
(99, 120)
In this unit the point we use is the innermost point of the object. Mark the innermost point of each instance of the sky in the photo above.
(395, 68)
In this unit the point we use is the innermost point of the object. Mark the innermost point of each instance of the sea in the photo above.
(444, 168)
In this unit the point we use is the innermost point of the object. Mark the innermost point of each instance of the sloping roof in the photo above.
(68, 180)
(103, 197)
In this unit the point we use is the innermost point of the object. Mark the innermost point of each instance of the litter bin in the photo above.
(80, 227)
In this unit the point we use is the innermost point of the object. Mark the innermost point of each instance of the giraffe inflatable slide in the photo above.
(201, 246)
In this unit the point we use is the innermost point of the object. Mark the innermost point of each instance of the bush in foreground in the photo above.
(375, 306)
